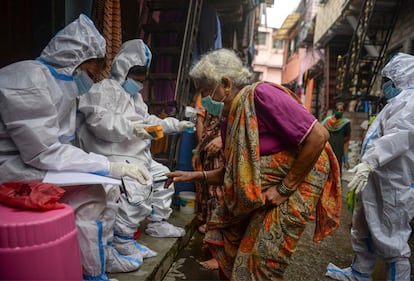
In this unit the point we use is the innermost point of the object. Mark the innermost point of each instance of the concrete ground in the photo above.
(155, 268)
(187, 267)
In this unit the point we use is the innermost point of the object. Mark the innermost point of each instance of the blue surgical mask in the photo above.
(213, 107)
(83, 82)
(389, 91)
(132, 86)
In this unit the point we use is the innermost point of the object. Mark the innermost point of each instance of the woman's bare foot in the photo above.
(202, 228)
(210, 264)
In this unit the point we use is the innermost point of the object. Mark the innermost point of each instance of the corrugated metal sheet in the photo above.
(283, 32)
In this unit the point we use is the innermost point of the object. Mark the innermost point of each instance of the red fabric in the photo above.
(31, 195)
(137, 234)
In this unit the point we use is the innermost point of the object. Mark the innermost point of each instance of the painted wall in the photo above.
(328, 13)
(268, 61)
(292, 68)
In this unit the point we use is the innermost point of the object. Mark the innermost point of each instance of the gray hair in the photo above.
(216, 64)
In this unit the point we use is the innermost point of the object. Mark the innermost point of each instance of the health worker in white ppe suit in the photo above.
(37, 124)
(115, 117)
(384, 182)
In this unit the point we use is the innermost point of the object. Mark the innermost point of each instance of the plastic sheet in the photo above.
(31, 195)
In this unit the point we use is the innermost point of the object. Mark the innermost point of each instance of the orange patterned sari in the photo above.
(253, 241)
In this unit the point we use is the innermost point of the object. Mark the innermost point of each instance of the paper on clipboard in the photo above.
(75, 178)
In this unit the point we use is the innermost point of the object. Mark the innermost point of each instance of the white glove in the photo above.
(140, 132)
(120, 169)
(184, 125)
(359, 181)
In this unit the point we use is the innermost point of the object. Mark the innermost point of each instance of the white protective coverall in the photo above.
(37, 124)
(110, 115)
(381, 220)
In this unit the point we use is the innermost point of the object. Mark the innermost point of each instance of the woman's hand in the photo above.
(214, 145)
(196, 162)
(273, 197)
(179, 176)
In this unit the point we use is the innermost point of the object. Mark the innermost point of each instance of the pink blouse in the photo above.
(283, 122)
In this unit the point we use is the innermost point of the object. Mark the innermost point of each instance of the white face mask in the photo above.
(83, 82)
(132, 86)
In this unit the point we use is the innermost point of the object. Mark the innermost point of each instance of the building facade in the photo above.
(268, 59)
(359, 37)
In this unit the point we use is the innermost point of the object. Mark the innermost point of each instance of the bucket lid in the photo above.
(25, 228)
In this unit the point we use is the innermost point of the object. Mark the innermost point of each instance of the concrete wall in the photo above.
(292, 69)
(269, 74)
(328, 13)
(403, 32)
(268, 61)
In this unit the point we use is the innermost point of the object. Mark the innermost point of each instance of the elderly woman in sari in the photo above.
(280, 172)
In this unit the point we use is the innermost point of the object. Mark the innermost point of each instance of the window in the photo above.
(262, 36)
(293, 46)
(277, 44)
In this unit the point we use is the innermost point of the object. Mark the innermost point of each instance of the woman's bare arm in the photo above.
(215, 176)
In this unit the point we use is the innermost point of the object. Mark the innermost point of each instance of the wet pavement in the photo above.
(186, 266)
(309, 261)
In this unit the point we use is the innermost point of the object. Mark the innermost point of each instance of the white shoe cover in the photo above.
(164, 229)
(116, 262)
(346, 274)
(129, 246)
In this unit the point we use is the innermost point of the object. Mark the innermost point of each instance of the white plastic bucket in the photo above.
(187, 202)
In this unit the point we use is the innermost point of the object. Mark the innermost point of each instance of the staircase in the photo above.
(168, 249)
(359, 68)
(170, 30)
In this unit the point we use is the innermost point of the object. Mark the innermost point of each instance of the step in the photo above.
(168, 249)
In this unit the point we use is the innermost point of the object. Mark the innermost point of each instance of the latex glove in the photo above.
(120, 169)
(140, 132)
(184, 125)
(359, 181)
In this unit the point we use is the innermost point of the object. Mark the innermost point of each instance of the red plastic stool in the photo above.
(39, 245)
